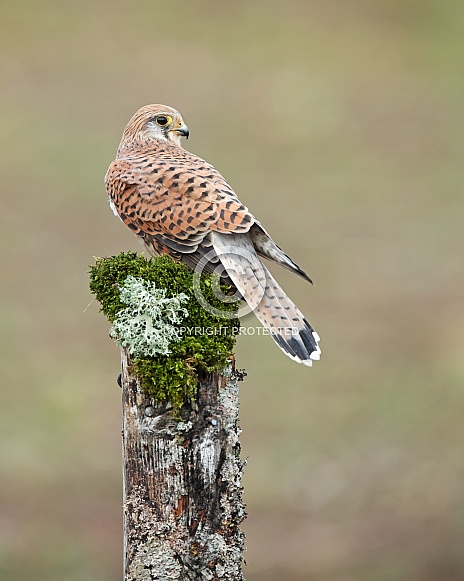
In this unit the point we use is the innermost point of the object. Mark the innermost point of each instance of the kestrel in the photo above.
(180, 205)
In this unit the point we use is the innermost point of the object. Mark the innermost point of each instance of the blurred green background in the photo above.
(340, 125)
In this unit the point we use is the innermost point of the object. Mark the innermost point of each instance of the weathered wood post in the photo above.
(182, 484)
(182, 493)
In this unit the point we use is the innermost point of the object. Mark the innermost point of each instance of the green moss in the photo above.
(172, 377)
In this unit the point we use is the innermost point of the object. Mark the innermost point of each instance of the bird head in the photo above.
(157, 122)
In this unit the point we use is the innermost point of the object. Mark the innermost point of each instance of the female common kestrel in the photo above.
(180, 205)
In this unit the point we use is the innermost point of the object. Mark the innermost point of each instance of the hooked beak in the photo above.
(182, 130)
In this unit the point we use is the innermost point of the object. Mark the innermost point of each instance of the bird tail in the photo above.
(287, 325)
(279, 315)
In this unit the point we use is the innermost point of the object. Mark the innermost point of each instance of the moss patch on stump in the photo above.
(205, 346)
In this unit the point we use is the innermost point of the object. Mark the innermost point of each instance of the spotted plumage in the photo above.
(180, 205)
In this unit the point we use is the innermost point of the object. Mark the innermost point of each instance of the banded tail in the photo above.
(285, 322)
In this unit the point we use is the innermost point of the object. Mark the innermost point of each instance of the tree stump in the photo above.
(182, 483)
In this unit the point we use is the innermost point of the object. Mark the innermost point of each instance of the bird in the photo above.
(180, 205)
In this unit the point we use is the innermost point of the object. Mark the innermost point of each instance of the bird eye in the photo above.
(163, 120)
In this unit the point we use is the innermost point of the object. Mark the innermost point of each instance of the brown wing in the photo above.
(174, 200)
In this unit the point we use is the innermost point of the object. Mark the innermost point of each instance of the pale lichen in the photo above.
(147, 326)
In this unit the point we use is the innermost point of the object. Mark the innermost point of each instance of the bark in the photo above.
(182, 484)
